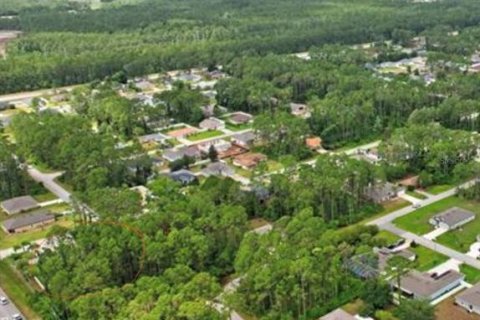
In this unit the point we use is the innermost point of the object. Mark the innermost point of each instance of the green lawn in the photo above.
(17, 289)
(388, 237)
(48, 196)
(204, 135)
(388, 207)
(437, 189)
(472, 275)
(417, 221)
(427, 259)
(237, 127)
(416, 195)
(462, 238)
(273, 166)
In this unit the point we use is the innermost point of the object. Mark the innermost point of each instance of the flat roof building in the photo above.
(452, 218)
(19, 204)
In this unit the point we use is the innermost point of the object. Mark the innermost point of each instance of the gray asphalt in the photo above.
(8, 310)
(48, 181)
(385, 223)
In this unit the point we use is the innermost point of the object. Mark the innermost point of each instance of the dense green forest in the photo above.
(67, 44)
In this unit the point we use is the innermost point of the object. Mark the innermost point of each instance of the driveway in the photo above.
(8, 310)
(435, 233)
(474, 251)
(48, 181)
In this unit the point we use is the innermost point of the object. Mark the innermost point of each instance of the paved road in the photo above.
(385, 223)
(48, 180)
(8, 310)
(32, 94)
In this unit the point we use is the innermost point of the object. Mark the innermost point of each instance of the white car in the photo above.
(417, 205)
(17, 317)
(3, 301)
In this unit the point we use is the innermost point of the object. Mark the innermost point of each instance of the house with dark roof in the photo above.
(185, 177)
(382, 191)
(470, 299)
(452, 218)
(218, 169)
(239, 117)
(425, 286)
(212, 124)
(27, 222)
(19, 204)
(249, 160)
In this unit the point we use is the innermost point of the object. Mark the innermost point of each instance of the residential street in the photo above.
(8, 310)
(385, 223)
(48, 180)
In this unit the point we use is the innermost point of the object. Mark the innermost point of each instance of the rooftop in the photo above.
(27, 220)
(453, 216)
(178, 133)
(338, 314)
(471, 296)
(425, 285)
(19, 204)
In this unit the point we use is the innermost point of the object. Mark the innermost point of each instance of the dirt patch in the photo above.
(447, 310)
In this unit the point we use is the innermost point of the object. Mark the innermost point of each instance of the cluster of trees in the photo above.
(334, 189)
(65, 46)
(179, 248)
(90, 160)
(14, 180)
(438, 154)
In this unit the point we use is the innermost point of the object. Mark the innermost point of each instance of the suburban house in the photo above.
(182, 132)
(218, 169)
(384, 255)
(470, 299)
(313, 143)
(19, 204)
(239, 117)
(300, 110)
(338, 314)
(156, 138)
(425, 286)
(28, 221)
(177, 154)
(452, 218)
(245, 139)
(220, 145)
(249, 160)
(212, 124)
(208, 110)
(381, 192)
(185, 177)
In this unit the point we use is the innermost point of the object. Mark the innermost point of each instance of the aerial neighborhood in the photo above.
(237, 160)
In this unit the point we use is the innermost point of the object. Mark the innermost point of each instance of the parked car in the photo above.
(3, 301)
(417, 205)
(17, 317)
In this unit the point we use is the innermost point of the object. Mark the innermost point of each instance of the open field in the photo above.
(17, 289)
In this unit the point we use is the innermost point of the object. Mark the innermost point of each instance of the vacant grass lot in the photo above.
(205, 135)
(462, 238)
(388, 237)
(437, 189)
(237, 127)
(427, 259)
(417, 221)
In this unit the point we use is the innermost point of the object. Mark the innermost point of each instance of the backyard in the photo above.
(427, 259)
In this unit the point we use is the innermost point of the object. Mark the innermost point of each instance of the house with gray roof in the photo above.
(452, 218)
(218, 169)
(244, 139)
(185, 177)
(27, 221)
(470, 299)
(425, 286)
(172, 155)
(212, 123)
(153, 138)
(383, 191)
(19, 204)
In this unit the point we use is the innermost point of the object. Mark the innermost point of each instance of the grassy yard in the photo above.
(388, 207)
(472, 275)
(12, 240)
(205, 135)
(427, 259)
(388, 237)
(237, 127)
(417, 221)
(437, 189)
(257, 223)
(17, 289)
(416, 195)
(462, 238)
(48, 196)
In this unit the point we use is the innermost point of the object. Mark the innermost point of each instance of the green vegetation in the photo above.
(205, 135)
(462, 238)
(387, 237)
(437, 189)
(237, 127)
(17, 289)
(472, 275)
(427, 259)
(416, 195)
